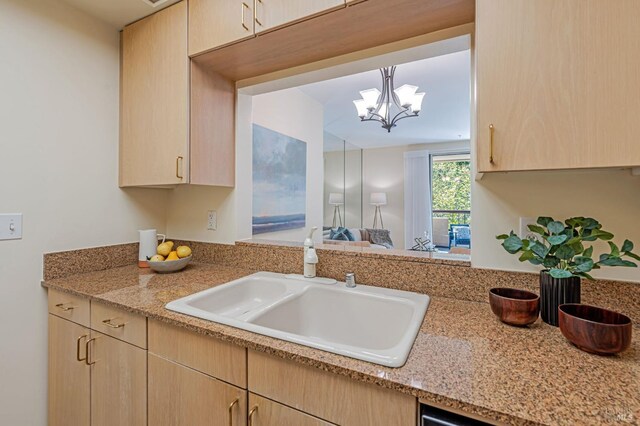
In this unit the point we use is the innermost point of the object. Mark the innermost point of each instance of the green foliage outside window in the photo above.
(451, 189)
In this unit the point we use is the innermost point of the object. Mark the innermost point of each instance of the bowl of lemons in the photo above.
(169, 260)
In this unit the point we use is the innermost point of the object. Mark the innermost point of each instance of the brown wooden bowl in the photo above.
(513, 306)
(596, 330)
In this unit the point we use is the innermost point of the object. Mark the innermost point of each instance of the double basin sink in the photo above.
(373, 324)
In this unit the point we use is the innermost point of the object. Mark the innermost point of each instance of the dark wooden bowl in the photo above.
(513, 306)
(596, 330)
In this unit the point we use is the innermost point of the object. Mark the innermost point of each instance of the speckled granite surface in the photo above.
(463, 357)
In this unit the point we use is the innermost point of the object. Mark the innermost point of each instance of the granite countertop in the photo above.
(463, 357)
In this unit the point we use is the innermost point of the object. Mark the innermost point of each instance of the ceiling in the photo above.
(118, 12)
(446, 108)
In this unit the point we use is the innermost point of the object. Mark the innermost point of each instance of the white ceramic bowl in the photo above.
(170, 265)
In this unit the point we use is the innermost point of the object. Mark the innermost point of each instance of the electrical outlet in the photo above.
(212, 220)
(524, 231)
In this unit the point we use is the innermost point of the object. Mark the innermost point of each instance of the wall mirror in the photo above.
(376, 154)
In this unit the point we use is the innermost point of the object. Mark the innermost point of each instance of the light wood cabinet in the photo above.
(328, 396)
(118, 382)
(154, 138)
(558, 81)
(270, 14)
(69, 306)
(216, 23)
(120, 324)
(181, 396)
(69, 375)
(265, 412)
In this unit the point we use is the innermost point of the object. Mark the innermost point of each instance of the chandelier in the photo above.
(395, 104)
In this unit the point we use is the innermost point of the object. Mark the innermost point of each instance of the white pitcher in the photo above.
(148, 246)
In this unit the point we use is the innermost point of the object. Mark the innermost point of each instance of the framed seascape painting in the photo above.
(279, 181)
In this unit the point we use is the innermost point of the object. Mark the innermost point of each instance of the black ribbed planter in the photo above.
(554, 292)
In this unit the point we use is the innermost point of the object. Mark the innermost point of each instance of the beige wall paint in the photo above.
(59, 151)
(499, 200)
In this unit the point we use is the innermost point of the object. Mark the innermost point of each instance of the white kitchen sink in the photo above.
(368, 323)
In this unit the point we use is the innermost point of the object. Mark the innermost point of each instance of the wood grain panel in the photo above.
(69, 379)
(215, 23)
(213, 108)
(219, 359)
(558, 79)
(181, 396)
(270, 413)
(328, 396)
(155, 99)
(271, 14)
(118, 382)
(364, 25)
(68, 306)
(133, 329)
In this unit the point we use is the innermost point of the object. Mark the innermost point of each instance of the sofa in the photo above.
(361, 238)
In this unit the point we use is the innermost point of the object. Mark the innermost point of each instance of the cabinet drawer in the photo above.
(68, 306)
(208, 355)
(123, 325)
(270, 413)
(328, 396)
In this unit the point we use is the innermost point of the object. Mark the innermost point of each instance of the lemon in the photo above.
(173, 256)
(157, 258)
(183, 251)
(165, 248)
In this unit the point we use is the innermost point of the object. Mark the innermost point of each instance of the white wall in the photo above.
(58, 145)
(499, 200)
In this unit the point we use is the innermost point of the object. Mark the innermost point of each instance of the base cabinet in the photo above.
(118, 382)
(264, 412)
(69, 375)
(179, 395)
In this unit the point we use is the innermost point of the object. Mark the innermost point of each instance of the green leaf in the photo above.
(555, 227)
(588, 252)
(603, 235)
(577, 247)
(539, 249)
(544, 221)
(557, 239)
(565, 252)
(632, 255)
(582, 259)
(614, 249)
(590, 223)
(560, 273)
(535, 261)
(526, 255)
(551, 262)
(587, 276)
(513, 244)
(537, 229)
(627, 246)
(502, 237)
(585, 266)
(573, 222)
(616, 261)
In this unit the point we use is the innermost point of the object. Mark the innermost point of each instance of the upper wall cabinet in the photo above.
(154, 139)
(216, 23)
(275, 13)
(177, 117)
(557, 84)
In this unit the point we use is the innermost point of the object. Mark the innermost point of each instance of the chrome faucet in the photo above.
(350, 280)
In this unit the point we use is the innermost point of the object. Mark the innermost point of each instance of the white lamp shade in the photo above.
(383, 110)
(406, 94)
(370, 97)
(361, 106)
(378, 199)
(416, 104)
(336, 198)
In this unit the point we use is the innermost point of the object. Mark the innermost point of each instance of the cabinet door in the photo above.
(181, 396)
(265, 412)
(215, 23)
(558, 80)
(118, 382)
(154, 139)
(68, 388)
(274, 13)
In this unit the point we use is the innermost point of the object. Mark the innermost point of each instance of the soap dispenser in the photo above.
(308, 242)
(310, 261)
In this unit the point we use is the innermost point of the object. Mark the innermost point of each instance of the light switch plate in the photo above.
(524, 230)
(11, 226)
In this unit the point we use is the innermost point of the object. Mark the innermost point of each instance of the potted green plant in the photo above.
(560, 248)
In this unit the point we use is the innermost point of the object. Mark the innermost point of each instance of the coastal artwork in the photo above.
(279, 181)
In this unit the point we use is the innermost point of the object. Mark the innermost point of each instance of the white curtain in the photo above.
(417, 196)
